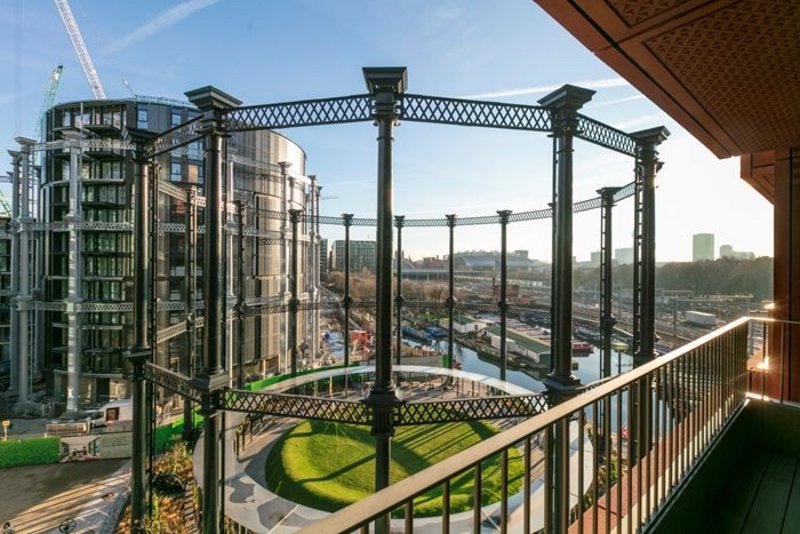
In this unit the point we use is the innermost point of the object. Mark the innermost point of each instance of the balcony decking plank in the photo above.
(791, 521)
(769, 505)
(730, 512)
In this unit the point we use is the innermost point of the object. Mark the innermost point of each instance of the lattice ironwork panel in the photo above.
(88, 307)
(172, 190)
(325, 219)
(254, 311)
(424, 305)
(171, 228)
(356, 108)
(171, 332)
(626, 192)
(300, 406)
(601, 134)
(477, 307)
(104, 226)
(545, 213)
(363, 304)
(445, 411)
(170, 306)
(50, 306)
(420, 108)
(175, 138)
(175, 382)
(305, 306)
(262, 301)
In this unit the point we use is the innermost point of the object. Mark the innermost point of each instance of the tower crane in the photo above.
(49, 98)
(80, 48)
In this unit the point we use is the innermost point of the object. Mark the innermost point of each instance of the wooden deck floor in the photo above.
(762, 498)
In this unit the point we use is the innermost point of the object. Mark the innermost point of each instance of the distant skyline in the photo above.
(511, 51)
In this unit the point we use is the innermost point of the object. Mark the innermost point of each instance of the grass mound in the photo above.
(330, 465)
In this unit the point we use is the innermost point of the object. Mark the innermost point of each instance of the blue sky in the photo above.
(509, 50)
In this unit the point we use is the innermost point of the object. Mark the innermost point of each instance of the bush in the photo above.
(32, 451)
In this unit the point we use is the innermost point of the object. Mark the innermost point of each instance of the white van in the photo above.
(113, 412)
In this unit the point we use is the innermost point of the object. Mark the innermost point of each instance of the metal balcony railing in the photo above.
(612, 456)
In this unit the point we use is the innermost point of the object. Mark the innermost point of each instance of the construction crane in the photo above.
(80, 48)
(5, 206)
(49, 98)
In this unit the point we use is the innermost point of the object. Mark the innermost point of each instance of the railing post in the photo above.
(142, 352)
(399, 221)
(294, 218)
(502, 304)
(347, 301)
(648, 163)
(451, 297)
(213, 103)
(607, 320)
(563, 105)
(386, 84)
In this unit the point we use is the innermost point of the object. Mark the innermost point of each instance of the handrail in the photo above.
(407, 489)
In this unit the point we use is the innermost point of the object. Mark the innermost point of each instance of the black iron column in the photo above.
(190, 284)
(386, 84)
(399, 220)
(451, 295)
(142, 352)
(347, 301)
(294, 302)
(240, 295)
(502, 304)
(607, 320)
(647, 161)
(563, 104)
(213, 103)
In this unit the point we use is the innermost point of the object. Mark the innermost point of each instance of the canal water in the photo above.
(585, 366)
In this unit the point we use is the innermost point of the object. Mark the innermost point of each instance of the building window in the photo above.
(175, 174)
(176, 118)
(141, 117)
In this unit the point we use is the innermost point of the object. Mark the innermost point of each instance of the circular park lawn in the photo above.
(327, 466)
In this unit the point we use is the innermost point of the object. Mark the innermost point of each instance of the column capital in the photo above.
(607, 193)
(504, 214)
(399, 220)
(348, 219)
(567, 97)
(451, 219)
(294, 215)
(387, 85)
(209, 98)
(648, 140)
(26, 143)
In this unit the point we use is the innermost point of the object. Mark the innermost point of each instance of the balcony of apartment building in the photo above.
(703, 439)
(707, 437)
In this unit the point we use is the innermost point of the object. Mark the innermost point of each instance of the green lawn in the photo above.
(330, 465)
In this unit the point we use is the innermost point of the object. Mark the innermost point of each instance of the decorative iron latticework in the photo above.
(175, 382)
(300, 406)
(339, 110)
(447, 411)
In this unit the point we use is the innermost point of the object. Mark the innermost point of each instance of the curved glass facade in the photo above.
(86, 200)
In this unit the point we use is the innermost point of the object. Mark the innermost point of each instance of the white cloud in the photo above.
(164, 19)
(604, 83)
(614, 102)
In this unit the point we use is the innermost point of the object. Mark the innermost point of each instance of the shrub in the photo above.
(32, 451)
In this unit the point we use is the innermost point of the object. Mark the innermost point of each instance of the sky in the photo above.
(504, 50)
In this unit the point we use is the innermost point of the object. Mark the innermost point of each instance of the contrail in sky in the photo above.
(615, 101)
(165, 19)
(539, 89)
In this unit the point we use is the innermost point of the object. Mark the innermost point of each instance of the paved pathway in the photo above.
(36, 499)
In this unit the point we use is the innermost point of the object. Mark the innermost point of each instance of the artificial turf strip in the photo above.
(330, 465)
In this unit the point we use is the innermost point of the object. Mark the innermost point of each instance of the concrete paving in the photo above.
(36, 499)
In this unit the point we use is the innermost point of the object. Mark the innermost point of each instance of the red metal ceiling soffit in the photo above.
(726, 70)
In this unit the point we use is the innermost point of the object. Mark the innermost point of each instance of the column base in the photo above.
(561, 384)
